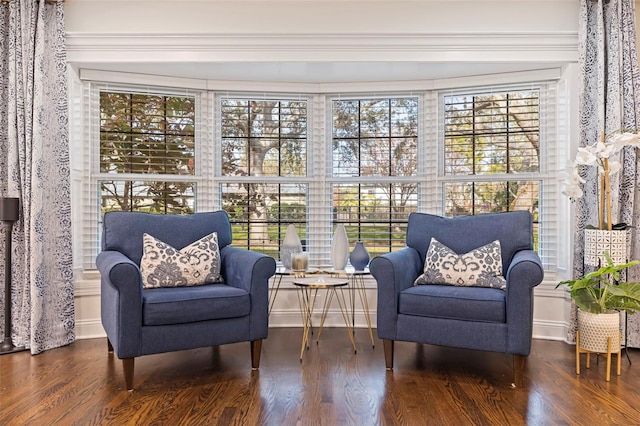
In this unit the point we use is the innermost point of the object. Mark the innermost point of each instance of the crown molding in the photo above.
(320, 88)
(495, 46)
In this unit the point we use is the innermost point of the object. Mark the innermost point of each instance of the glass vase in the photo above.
(359, 257)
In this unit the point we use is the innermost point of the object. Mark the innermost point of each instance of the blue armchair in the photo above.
(141, 321)
(482, 318)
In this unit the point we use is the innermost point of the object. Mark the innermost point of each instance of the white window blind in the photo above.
(374, 173)
(498, 153)
(144, 154)
(317, 160)
(262, 176)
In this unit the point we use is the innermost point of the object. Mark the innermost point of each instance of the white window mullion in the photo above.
(205, 154)
(91, 218)
(429, 153)
(319, 197)
(551, 131)
(216, 144)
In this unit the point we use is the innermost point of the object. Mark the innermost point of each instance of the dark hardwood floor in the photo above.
(82, 384)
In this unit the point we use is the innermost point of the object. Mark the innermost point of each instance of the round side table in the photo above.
(307, 295)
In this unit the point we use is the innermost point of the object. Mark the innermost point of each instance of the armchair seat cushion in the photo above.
(179, 305)
(452, 302)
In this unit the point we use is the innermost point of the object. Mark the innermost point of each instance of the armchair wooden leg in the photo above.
(256, 347)
(127, 367)
(388, 353)
(519, 362)
(109, 346)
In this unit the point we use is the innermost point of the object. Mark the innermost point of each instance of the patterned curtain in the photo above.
(609, 101)
(34, 166)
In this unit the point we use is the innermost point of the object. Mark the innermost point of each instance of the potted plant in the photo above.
(605, 156)
(600, 296)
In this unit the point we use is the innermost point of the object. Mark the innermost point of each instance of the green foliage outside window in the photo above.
(142, 134)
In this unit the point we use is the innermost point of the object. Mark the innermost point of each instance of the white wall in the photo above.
(319, 17)
(117, 33)
(202, 31)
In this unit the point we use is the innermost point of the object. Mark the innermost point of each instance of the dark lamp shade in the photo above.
(9, 209)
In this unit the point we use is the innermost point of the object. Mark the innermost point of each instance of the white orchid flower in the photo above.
(571, 176)
(598, 155)
(620, 140)
(573, 192)
(576, 178)
(614, 167)
(586, 157)
(572, 181)
(603, 150)
(624, 139)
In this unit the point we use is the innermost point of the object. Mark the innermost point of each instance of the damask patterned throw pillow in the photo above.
(480, 267)
(164, 266)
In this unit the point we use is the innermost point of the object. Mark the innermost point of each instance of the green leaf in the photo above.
(586, 301)
(621, 226)
(601, 290)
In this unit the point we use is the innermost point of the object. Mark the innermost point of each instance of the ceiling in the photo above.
(320, 72)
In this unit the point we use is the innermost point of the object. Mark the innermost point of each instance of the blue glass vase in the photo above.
(359, 257)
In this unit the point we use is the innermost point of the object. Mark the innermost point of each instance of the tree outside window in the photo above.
(374, 142)
(489, 140)
(151, 137)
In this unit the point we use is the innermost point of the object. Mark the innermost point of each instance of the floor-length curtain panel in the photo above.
(35, 167)
(609, 101)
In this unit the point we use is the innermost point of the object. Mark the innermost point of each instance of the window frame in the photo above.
(548, 171)
(334, 180)
(93, 176)
(208, 177)
(307, 179)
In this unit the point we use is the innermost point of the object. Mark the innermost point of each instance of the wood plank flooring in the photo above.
(82, 384)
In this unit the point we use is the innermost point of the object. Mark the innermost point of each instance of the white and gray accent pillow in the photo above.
(480, 267)
(164, 266)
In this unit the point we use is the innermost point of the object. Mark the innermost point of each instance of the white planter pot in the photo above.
(595, 329)
(597, 241)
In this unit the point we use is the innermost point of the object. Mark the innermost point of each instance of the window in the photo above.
(146, 140)
(145, 155)
(316, 161)
(375, 141)
(492, 152)
(264, 140)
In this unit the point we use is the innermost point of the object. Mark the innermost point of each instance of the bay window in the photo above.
(316, 160)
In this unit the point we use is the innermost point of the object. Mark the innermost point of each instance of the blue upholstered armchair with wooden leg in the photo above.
(494, 314)
(194, 289)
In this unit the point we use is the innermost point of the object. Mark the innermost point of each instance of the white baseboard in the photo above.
(89, 329)
(550, 330)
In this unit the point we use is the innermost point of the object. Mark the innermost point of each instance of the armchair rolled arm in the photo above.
(393, 272)
(526, 268)
(524, 273)
(246, 269)
(121, 301)
(250, 271)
